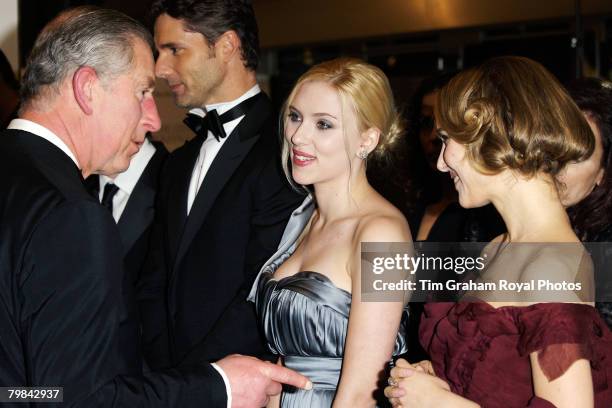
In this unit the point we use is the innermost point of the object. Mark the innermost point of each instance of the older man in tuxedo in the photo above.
(87, 104)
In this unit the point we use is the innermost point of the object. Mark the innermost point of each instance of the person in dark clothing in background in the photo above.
(433, 211)
(587, 189)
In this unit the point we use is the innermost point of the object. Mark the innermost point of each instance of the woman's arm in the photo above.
(573, 389)
(372, 327)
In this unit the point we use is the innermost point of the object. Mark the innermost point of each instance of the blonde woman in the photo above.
(339, 116)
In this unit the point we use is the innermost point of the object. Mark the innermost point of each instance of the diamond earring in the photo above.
(363, 154)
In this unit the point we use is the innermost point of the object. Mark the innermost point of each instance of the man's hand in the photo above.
(253, 381)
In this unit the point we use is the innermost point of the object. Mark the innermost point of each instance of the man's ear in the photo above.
(369, 139)
(83, 81)
(227, 45)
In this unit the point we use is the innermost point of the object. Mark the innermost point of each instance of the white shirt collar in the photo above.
(39, 130)
(127, 180)
(223, 107)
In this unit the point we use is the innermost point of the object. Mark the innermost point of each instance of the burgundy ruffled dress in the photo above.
(483, 352)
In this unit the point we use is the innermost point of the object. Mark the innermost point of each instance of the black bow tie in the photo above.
(201, 125)
(213, 122)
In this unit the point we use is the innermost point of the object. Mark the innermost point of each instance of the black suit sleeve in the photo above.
(71, 312)
(273, 200)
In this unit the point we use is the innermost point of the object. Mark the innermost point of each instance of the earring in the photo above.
(363, 154)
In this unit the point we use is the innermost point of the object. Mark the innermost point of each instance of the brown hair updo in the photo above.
(510, 112)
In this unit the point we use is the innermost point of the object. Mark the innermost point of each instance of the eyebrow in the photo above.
(169, 45)
(318, 114)
(324, 114)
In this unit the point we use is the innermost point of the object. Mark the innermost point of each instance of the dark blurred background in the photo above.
(408, 39)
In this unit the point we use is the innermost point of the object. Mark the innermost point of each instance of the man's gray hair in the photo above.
(81, 37)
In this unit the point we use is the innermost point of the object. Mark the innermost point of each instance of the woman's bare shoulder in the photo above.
(382, 222)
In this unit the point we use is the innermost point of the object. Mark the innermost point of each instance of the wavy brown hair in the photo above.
(511, 113)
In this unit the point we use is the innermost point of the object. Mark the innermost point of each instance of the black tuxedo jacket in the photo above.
(202, 265)
(63, 310)
(135, 229)
(137, 217)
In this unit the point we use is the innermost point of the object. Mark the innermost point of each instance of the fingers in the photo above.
(263, 403)
(402, 363)
(395, 403)
(399, 372)
(394, 392)
(427, 366)
(284, 375)
(273, 388)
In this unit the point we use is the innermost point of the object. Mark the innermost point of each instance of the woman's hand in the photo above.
(422, 366)
(416, 386)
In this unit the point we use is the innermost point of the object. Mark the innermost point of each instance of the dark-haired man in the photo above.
(87, 104)
(224, 198)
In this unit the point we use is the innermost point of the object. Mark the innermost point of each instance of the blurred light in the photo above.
(307, 58)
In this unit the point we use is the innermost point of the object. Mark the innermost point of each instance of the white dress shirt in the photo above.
(210, 148)
(127, 180)
(39, 130)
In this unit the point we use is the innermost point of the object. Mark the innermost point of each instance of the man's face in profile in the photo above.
(127, 113)
(188, 63)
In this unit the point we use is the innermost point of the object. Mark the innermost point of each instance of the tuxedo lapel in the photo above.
(137, 215)
(178, 190)
(223, 166)
(140, 209)
(92, 184)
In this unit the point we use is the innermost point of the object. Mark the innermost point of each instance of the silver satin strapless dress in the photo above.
(305, 319)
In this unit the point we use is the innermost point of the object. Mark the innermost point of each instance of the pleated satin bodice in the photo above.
(305, 320)
(309, 303)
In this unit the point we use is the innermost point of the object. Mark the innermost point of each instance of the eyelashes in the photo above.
(295, 117)
(324, 125)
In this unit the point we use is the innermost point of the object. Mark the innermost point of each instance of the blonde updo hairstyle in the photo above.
(511, 113)
(361, 87)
